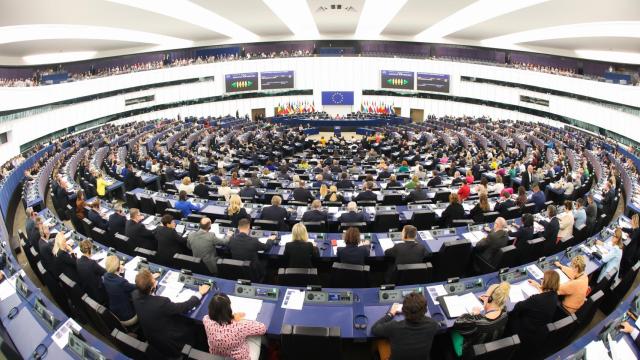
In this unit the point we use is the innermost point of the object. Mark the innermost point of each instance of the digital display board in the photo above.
(241, 82)
(390, 79)
(270, 80)
(337, 98)
(433, 82)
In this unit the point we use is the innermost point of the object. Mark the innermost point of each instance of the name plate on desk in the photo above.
(257, 292)
(82, 349)
(192, 281)
(464, 286)
(515, 275)
(442, 232)
(547, 263)
(328, 297)
(397, 295)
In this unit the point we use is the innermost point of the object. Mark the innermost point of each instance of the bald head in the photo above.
(352, 206)
(205, 224)
(500, 224)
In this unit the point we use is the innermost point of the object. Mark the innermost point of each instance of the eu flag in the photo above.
(337, 98)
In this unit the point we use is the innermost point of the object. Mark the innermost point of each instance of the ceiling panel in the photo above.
(417, 15)
(336, 21)
(253, 15)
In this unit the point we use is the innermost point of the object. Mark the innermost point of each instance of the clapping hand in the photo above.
(203, 289)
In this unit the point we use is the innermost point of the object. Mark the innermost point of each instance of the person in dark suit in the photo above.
(436, 180)
(117, 221)
(161, 320)
(244, 247)
(537, 198)
(527, 177)
(481, 207)
(551, 229)
(96, 216)
(487, 248)
(608, 199)
(170, 174)
(30, 223)
(454, 211)
(130, 179)
(34, 235)
(631, 251)
(201, 189)
(275, 212)
(344, 182)
(194, 169)
(407, 252)
(236, 211)
(529, 318)
(118, 291)
(301, 194)
(64, 258)
(315, 213)
(90, 273)
(137, 233)
(352, 252)
(248, 191)
(169, 241)
(367, 194)
(524, 233)
(300, 252)
(393, 182)
(410, 338)
(352, 215)
(592, 213)
(505, 203)
(45, 249)
(417, 194)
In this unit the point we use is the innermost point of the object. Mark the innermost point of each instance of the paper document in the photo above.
(250, 307)
(172, 290)
(528, 289)
(472, 237)
(184, 295)
(597, 350)
(61, 336)
(435, 291)
(148, 220)
(385, 243)
(133, 263)
(563, 276)
(99, 255)
(180, 228)
(263, 240)
(285, 239)
(170, 277)
(293, 299)
(130, 276)
(461, 304)
(425, 235)
(535, 271)
(6, 290)
(515, 293)
(620, 350)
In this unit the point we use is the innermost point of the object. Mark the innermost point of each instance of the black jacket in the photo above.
(352, 217)
(300, 254)
(201, 191)
(452, 212)
(45, 250)
(529, 319)
(503, 206)
(169, 244)
(408, 340)
(242, 214)
(162, 321)
(244, 247)
(344, 184)
(366, 196)
(116, 224)
(140, 236)
(90, 278)
(488, 247)
(65, 263)
(302, 195)
(130, 181)
(352, 254)
(97, 220)
(248, 192)
(526, 180)
(476, 213)
(417, 195)
(275, 213)
(436, 181)
(407, 252)
(314, 215)
(550, 234)
(522, 235)
(631, 252)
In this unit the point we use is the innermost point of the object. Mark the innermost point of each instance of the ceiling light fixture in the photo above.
(19, 33)
(55, 58)
(189, 12)
(478, 12)
(296, 15)
(375, 16)
(625, 29)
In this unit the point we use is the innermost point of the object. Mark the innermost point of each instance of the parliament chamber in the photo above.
(263, 196)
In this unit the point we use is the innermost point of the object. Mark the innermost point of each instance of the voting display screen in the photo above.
(270, 80)
(433, 82)
(391, 79)
(241, 82)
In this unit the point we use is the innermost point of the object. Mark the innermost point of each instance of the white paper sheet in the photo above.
(425, 235)
(528, 289)
(61, 336)
(263, 240)
(435, 291)
(172, 290)
(516, 294)
(250, 307)
(184, 295)
(535, 271)
(180, 228)
(597, 350)
(285, 239)
(6, 289)
(148, 220)
(459, 305)
(620, 350)
(385, 243)
(293, 299)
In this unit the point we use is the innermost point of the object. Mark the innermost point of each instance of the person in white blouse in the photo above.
(186, 185)
(224, 190)
(566, 220)
(498, 186)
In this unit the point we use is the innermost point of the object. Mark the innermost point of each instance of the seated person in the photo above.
(275, 212)
(117, 221)
(482, 327)
(64, 259)
(579, 214)
(410, 338)
(201, 190)
(162, 320)
(138, 233)
(613, 255)
(575, 290)
(487, 248)
(352, 252)
(344, 182)
(410, 185)
(407, 252)
(186, 186)
(481, 207)
(367, 194)
(119, 291)
(417, 194)
(301, 194)
(523, 233)
(537, 198)
(464, 191)
(352, 215)
(90, 273)
(96, 216)
(457, 179)
(393, 182)
(436, 180)
(300, 252)
(315, 214)
(505, 202)
(454, 211)
(185, 206)
(566, 221)
(333, 195)
(229, 334)
(169, 241)
(245, 247)
(551, 229)
(236, 211)
(248, 191)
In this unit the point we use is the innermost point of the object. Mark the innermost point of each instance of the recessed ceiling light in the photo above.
(296, 15)
(189, 12)
(376, 15)
(477, 12)
(19, 33)
(54, 58)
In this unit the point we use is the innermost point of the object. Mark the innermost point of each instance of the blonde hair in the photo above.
(112, 264)
(635, 221)
(299, 232)
(186, 180)
(618, 235)
(235, 204)
(60, 243)
(500, 294)
(324, 190)
(484, 202)
(578, 263)
(334, 193)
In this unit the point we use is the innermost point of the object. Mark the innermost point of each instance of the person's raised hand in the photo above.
(203, 289)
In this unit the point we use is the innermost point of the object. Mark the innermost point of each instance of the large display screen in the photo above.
(433, 82)
(337, 98)
(241, 82)
(390, 79)
(270, 80)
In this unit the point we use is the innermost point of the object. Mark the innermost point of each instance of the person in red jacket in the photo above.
(464, 191)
